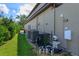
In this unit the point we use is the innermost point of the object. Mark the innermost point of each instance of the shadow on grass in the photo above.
(24, 48)
(2, 43)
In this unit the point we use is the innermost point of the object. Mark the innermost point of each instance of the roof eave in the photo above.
(46, 5)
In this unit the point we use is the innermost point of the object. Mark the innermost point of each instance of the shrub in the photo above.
(46, 39)
(7, 36)
(12, 29)
(8, 29)
(3, 33)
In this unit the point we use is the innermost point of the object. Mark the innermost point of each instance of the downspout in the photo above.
(54, 18)
(52, 34)
(37, 24)
(53, 5)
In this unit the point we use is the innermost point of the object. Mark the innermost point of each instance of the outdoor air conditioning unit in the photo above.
(29, 34)
(43, 39)
(34, 35)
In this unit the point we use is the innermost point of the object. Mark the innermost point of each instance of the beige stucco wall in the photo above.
(43, 18)
(47, 17)
(32, 23)
(70, 11)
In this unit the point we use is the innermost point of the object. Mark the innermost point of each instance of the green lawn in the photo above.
(24, 48)
(10, 48)
(17, 46)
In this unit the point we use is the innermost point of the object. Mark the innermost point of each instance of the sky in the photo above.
(14, 9)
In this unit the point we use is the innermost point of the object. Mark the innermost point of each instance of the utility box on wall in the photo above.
(67, 34)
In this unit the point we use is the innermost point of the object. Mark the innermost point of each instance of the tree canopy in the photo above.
(23, 19)
(8, 28)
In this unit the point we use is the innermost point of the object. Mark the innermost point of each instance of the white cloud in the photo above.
(14, 11)
(4, 8)
(25, 9)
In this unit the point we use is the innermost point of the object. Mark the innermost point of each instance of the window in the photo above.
(29, 27)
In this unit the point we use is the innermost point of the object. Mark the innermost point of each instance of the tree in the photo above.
(8, 29)
(23, 19)
(5, 21)
(4, 34)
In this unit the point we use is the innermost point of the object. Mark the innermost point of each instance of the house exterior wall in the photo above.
(46, 21)
(70, 12)
(32, 24)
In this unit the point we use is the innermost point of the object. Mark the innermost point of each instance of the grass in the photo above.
(17, 46)
(10, 48)
(24, 48)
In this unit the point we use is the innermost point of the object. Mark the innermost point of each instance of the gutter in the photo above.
(44, 7)
(38, 11)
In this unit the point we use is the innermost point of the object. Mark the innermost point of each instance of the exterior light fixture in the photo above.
(61, 15)
(64, 19)
(46, 23)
